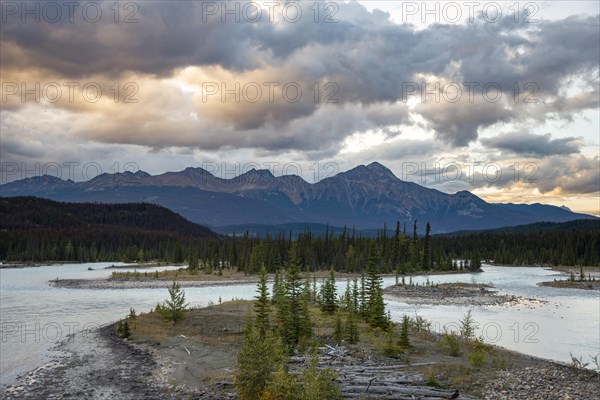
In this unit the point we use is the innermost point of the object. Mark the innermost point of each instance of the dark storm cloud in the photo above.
(167, 35)
(523, 143)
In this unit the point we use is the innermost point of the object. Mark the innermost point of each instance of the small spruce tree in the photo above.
(375, 308)
(328, 294)
(259, 359)
(352, 334)
(261, 305)
(467, 326)
(404, 341)
(175, 308)
(338, 330)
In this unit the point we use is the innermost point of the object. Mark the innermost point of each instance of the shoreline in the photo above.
(201, 280)
(186, 280)
(96, 364)
(567, 284)
(99, 363)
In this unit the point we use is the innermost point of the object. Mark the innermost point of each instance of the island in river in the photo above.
(197, 358)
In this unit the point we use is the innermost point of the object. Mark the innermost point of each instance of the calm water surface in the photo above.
(34, 316)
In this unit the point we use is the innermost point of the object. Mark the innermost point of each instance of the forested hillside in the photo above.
(34, 229)
(568, 243)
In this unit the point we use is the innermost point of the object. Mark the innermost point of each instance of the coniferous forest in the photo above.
(38, 230)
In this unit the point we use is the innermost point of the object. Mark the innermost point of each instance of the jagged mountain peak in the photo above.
(139, 173)
(252, 179)
(261, 172)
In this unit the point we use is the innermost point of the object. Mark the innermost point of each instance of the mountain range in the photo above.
(365, 197)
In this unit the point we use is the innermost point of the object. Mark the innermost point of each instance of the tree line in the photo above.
(37, 230)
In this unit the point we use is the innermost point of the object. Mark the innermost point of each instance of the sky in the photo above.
(498, 98)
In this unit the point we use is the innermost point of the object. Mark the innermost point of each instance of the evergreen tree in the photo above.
(475, 263)
(293, 312)
(351, 259)
(123, 329)
(318, 384)
(362, 296)
(426, 250)
(396, 247)
(261, 305)
(355, 297)
(467, 326)
(404, 341)
(140, 256)
(375, 309)
(175, 308)
(69, 251)
(328, 294)
(278, 286)
(178, 256)
(377, 316)
(352, 334)
(193, 258)
(338, 330)
(261, 356)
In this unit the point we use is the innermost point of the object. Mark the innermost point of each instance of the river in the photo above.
(34, 316)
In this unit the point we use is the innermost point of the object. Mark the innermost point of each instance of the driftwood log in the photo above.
(372, 380)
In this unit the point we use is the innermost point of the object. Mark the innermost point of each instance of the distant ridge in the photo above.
(48, 230)
(366, 197)
(578, 225)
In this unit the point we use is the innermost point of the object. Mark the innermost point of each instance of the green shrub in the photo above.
(123, 329)
(390, 347)
(319, 384)
(450, 344)
(478, 355)
(312, 384)
(477, 358)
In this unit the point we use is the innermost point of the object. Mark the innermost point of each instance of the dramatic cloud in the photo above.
(524, 143)
(365, 58)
